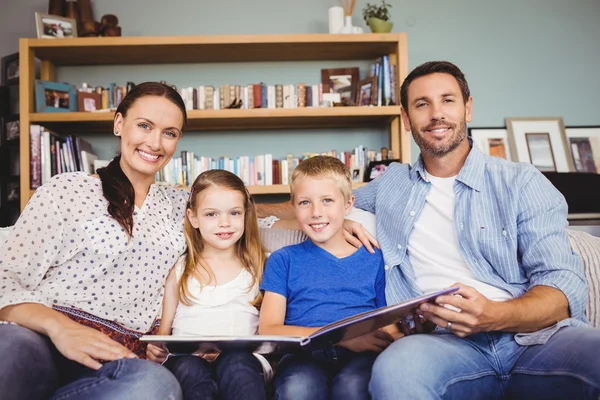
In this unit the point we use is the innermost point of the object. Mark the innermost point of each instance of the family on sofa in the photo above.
(83, 272)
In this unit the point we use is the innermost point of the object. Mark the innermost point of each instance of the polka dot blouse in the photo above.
(66, 250)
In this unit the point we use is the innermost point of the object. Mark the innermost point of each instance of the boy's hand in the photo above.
(156, 353)
(375, 341)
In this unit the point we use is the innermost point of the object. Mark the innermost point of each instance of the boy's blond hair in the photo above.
(324, 167)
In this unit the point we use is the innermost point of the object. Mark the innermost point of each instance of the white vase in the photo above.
(336, 19)
(347, 24)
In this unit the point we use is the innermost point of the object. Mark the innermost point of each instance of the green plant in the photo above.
(377, 11)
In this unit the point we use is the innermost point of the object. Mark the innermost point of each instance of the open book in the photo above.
(336, 332)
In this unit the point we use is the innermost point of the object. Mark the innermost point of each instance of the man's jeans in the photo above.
(332, 373)
(32, 368)
(489, 366)
(233, 375)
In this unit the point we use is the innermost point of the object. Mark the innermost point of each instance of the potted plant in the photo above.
(377, 17)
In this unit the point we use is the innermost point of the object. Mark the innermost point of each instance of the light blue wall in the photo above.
(521, 58)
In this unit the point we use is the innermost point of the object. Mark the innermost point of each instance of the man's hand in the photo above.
(357, 235)
(86, 345)
(375, 341)
(156, 353)
(476, 313)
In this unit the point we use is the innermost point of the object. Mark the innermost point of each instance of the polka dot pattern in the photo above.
(66, 250)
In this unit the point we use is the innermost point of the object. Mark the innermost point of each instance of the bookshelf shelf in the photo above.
(148, 50)
(204, 49)
(202, 120)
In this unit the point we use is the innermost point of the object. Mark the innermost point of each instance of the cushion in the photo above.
(588, 248)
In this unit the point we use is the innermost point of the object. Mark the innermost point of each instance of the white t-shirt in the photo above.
(433, 247)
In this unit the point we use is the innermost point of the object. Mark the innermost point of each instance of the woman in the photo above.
(82, 273)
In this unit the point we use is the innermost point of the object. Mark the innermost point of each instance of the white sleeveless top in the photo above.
(218, 310)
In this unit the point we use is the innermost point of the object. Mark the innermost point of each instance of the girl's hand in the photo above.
(86, 345)
(156, 353)
(375, 341)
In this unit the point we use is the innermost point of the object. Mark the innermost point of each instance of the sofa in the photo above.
(584, 244)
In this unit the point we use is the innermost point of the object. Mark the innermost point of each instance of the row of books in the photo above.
(261, 170)
(53, 154)
(257, 95)
(385, 74)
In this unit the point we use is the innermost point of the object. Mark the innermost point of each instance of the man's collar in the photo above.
(471, 173)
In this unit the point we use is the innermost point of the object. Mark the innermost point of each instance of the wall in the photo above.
(533, 58)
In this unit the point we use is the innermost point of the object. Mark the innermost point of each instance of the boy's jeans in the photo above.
(489, 366)
(331, 373)
(233, 375)
(32, 368)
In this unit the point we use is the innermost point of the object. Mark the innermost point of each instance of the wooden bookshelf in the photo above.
(202, 120)
(207, 49)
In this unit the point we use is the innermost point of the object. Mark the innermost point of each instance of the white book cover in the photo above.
(87, 161)
(268, 169)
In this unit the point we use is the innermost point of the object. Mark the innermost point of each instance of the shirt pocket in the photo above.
(106, 235)
(498, 246)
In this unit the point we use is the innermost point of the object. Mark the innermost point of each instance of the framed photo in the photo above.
(12, 128)
(357, 173)
(544, 139)
(585, 147)
(55, 27)
(12, 191)
(342, 81)
(88, 101)
(10, 70)
(55, 97)
(366, 92)
(491, 141)
(377, 168)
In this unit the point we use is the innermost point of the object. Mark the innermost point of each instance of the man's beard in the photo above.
(439, 150)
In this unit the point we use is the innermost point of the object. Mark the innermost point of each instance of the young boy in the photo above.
(320, 281)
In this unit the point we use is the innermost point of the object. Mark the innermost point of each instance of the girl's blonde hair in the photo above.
(249, 248)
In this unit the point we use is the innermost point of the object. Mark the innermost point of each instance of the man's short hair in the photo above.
(324, 167)
(432, 67)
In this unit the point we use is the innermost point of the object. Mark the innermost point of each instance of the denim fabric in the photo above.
(32, 368)
(234, 375)
(493, 365)
(332, 373)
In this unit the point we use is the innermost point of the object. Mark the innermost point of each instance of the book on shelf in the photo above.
(334, 333)
(51, 154)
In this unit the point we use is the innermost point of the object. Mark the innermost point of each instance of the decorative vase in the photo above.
(379, 26)
(347, 24)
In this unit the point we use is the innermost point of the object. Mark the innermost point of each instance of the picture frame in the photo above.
(555, 150)
(10, 70)
(366, 92)
(376, 168)
(584, 142)
(357, 173)
(12, 129)
(491, 141)
(341, 80)
(88, 101)
(55, 97)
(54, 26)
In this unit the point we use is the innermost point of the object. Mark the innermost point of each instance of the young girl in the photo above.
(213, 290)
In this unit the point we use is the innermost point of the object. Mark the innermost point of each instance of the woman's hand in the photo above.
(156, 353)
(86, 345)
(375, 341)
(357, 235)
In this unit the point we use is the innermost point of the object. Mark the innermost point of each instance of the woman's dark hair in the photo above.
(116, 187)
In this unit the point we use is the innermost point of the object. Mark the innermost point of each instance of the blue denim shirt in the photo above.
(510, 222)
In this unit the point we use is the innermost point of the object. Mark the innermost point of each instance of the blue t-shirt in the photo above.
(321, 288)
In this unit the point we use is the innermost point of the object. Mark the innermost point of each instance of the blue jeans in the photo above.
(233, 375)
(489, 366)
(32, 368)
(332, 373)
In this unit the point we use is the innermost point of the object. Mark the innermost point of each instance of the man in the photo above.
(496, 229)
